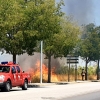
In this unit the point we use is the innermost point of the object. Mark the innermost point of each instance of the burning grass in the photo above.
(60, 78)
(35, 75)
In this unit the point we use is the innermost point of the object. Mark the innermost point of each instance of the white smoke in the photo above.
(81, 10)
(25, 61)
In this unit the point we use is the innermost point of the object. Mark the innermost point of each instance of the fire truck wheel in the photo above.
(25, 85)
(7, 86)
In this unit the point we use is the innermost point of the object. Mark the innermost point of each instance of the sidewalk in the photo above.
(30, 85)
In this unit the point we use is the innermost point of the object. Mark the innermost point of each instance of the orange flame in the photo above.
(35, 72)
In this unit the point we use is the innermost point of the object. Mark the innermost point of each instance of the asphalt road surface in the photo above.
(88, 96)
(51, 92)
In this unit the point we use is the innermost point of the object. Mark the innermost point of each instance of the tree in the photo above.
(89, 46)
(59, 45)
(43, 22)
(11, 22)
(97, 30)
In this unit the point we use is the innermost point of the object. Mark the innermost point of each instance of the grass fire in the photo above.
(35, 73)
(59, 71)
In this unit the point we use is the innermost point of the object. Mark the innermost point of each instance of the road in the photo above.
(51, 92)
(88, 96)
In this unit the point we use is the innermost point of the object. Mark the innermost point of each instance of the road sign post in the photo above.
(75, 72)
(72, 60)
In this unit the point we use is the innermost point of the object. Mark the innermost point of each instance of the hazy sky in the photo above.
(97, 11)
(83, 11)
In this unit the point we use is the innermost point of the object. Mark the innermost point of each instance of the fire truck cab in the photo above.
(11, 75)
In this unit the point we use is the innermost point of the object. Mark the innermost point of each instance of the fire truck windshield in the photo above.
(4, 69)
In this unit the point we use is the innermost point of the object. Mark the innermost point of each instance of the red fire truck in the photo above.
(11, 75)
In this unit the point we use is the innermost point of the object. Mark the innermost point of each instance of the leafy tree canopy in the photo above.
(11, 20)
(89, 47)
(61, 44)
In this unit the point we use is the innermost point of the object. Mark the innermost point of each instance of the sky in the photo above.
(82, 11)
(97, 12)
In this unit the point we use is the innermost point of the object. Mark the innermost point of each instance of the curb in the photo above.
(95, 81)
(38, 85)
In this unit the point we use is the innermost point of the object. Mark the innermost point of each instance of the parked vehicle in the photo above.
(11, 75)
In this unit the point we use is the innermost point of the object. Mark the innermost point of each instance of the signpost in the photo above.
(72, 60)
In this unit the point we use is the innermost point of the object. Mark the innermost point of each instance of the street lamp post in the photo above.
(41, 62)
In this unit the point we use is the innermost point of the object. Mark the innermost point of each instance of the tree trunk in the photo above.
(49, 69)
(86, 72)
(75, 72)
(14, 58)
(98, 71)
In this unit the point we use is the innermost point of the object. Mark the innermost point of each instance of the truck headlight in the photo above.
(2, 77)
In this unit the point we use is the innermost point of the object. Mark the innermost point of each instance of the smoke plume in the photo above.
(80, 10)
(26, 61)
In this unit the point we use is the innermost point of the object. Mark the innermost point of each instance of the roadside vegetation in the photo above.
(61, 74)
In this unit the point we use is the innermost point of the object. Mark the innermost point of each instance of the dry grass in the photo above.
(65, 77)
(59, 78)
(72, 77)
(92, 77)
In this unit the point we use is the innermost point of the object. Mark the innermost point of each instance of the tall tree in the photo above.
(89, 47)
(59, 45)
(97, 56)
(11, 21)
(43, 22)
